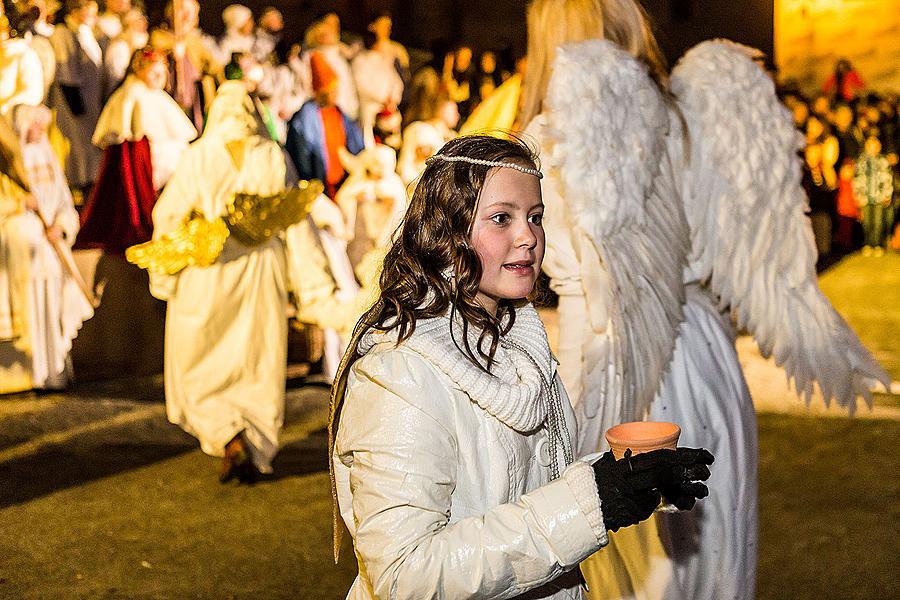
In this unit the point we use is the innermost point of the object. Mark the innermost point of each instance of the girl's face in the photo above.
(508, 236)
(154, 74)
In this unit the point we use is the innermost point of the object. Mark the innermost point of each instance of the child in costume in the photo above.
(451, 437)
(143, 133)
(873, 186)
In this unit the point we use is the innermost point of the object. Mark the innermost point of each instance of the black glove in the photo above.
(630, 488)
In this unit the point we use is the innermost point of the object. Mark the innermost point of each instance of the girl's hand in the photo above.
(54, 233)
(631, 488)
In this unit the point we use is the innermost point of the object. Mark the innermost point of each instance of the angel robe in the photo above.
(226, 325)
(628, 285)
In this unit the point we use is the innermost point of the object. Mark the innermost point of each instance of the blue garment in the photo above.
(306, 141)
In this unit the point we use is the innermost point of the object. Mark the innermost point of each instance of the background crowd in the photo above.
(351, 110)
(850, 168)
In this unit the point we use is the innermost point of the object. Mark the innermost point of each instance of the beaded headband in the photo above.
(481, 161)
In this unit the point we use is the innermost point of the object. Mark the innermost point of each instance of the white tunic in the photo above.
(226, 326)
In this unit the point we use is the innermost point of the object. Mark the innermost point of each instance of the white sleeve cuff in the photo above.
(580, 478)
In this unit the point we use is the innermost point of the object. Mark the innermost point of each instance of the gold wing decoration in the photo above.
(196, 243)
(252, 220)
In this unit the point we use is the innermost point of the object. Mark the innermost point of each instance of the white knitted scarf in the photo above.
(512, 392)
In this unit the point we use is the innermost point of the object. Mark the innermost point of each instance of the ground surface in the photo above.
(101, 498)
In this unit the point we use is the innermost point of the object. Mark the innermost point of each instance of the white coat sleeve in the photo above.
(397, 437)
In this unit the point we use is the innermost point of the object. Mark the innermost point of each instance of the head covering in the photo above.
(232, 115)
(323, 76)
(236, 16)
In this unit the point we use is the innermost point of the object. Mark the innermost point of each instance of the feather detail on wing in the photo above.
(605, 132)
(752, 241)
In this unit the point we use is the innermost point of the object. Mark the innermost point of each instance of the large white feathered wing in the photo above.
(751, 239)
(605, 145)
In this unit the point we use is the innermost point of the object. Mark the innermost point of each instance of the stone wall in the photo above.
(811, 35)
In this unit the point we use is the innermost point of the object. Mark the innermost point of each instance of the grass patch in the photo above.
(829, 508)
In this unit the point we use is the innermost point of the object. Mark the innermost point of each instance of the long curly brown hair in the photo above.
(431, 267)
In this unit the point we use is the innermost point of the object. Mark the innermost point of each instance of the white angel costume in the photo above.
(372, 200)
(58, 306)
(226, 325)
(379, 86)
(652, 230)
(21, 75)
(135, 111)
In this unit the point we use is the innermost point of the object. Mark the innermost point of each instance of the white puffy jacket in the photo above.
(444, 473)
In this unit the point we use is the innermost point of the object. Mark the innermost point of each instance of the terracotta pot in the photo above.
(642, 436)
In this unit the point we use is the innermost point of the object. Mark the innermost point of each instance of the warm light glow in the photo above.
(811, 35)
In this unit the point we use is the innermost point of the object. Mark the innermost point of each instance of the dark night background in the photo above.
(496, 24)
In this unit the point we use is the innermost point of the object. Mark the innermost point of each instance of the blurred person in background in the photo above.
(110, 21)
(873, 186)
(845, 83)
(239, 28)
(195, 69)
(324, 37)
(56, 305)
(143, 134)
(378, 83)
(133, 37)
(268, 36)
(77, 92)
(424, 137)
(460, 80)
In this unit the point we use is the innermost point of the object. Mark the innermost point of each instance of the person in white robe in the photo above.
(226, 325)
(57, 307)
(77, 92)
(21, 74)
(238, 36)
(378, 84)
(652, 229)
(15, 265)
(141, 107)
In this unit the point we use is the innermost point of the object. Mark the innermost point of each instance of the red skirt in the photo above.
(118, 213)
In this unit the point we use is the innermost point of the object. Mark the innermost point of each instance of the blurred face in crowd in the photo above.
(488, 62)
(821, 105)
(463, 58)
(449, 113)
(814, 129)
(813, 154)
(382, 27)
(873, 146)
(872, 114)
(119, 7)
(333, 22)
(843, 117)
(154, 74)
(86, 15)
(326, 35)
(801, 113)
(272, 21)
(248, 27)
(190, 15)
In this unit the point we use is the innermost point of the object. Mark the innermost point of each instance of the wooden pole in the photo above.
(68, 262)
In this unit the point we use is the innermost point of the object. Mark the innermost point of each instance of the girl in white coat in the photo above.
(451, 436)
